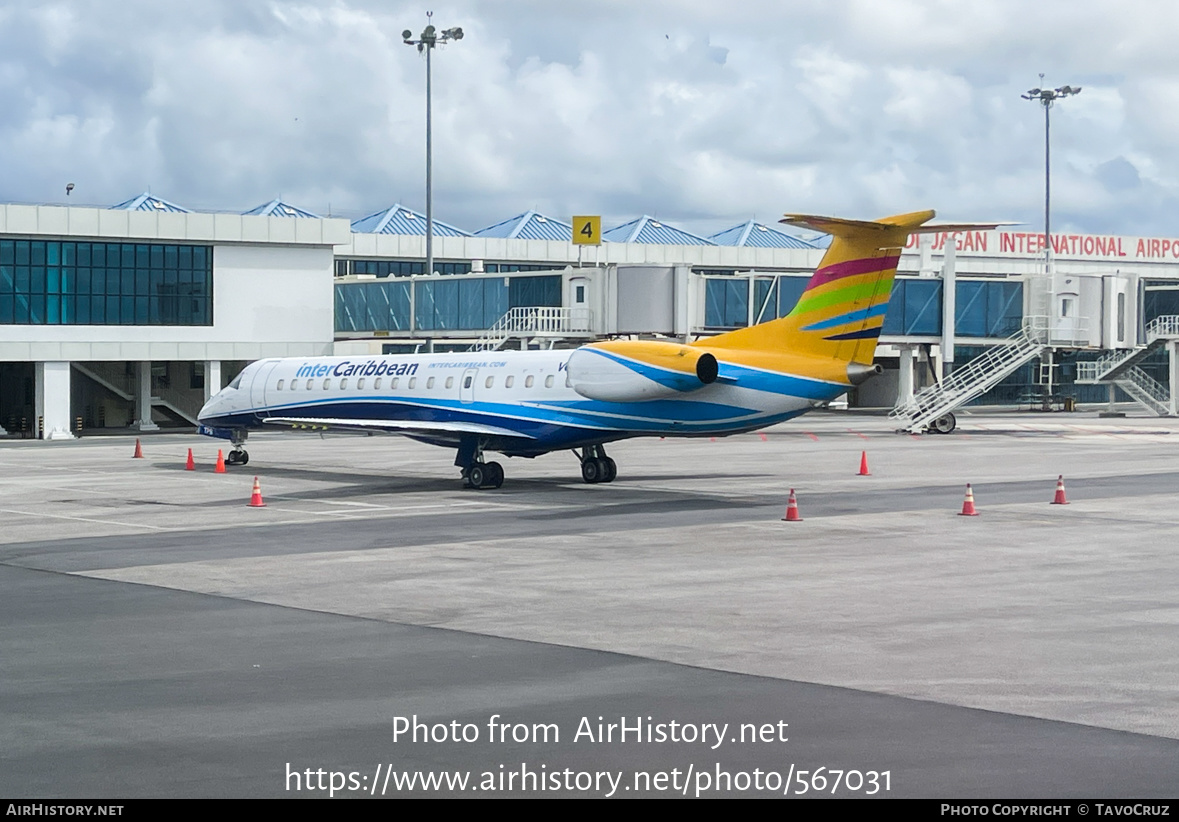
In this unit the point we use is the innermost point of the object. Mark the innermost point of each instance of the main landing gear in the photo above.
(596, 466)
(476, 472)
(484, 475)
(238, 455)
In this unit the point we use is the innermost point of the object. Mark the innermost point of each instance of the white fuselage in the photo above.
(524, 394)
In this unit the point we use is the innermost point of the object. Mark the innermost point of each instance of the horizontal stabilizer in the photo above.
(833, 225)
(947, 228)
(840, 226)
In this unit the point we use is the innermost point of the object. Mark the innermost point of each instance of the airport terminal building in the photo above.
(133, 315)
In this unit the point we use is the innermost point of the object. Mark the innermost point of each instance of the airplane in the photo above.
(528, 403)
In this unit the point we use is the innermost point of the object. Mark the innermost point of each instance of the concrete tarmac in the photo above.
(163, 639)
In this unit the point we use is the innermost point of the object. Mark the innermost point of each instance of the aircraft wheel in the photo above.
(945, 424)
(495, 474)
(611, 469)
(231, 458)
(591, 470)
(477, 475)
(243, 458)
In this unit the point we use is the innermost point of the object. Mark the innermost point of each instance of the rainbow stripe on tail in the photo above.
(841, 312)
(839, 315)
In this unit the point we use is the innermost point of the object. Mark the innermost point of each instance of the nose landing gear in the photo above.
(238, 456)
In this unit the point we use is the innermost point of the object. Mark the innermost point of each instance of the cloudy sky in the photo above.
(701, 113)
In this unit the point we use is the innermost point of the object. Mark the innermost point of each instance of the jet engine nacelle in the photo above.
(636, 370)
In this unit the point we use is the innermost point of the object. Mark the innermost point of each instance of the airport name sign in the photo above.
(1031, 243)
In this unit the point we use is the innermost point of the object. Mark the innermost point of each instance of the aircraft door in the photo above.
(579, 301)
(258, 386)
(467, 387)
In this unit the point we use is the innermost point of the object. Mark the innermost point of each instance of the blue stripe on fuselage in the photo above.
(654, 373)
(775, 382)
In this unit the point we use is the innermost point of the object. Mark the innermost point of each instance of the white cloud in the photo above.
(706, 114)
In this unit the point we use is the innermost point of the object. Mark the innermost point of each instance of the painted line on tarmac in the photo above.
(417, 509)
(41, 514)
(362, 510)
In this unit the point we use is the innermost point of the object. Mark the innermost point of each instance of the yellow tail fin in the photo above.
(840, 313)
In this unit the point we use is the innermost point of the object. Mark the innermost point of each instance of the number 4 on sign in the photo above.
(587, 230)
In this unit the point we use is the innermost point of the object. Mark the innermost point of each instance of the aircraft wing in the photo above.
(412, 428)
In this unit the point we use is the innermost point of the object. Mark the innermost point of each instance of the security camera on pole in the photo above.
(429, 38)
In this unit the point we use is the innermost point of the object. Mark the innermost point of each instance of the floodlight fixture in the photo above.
(1046, 97)
(426, 42)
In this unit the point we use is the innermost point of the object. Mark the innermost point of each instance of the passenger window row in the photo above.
(509, 381)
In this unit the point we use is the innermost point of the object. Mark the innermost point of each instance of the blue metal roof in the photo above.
(277, 208)
(757, 235)
(529, 226)
(146, 202)
(649, 230)
(401, 220)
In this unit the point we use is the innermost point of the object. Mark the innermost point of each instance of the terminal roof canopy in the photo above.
(398, 219)
(753, 234)
(529, 226)
(146, 202)
(277, 208)
(649, 230)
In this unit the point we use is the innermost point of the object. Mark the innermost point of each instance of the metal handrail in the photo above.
(1147, 383)
(976, 377)
(1166, 325)
(535, 320)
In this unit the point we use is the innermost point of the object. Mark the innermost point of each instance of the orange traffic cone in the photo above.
(138, 455)
(256, 497)
(189, 465)
(792, 514)
(1060, 500)
(968, 504)
(220, 469)
(864, 472)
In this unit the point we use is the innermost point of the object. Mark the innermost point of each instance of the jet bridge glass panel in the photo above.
(464, 303)
(789, 290)
(726, 302)
(527, 292)
(372, 306)
(58, 282)
(914, 309)
(988, 308)
(1160, 300)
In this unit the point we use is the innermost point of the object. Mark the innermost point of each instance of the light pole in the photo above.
(429, 38)
(1046, 97)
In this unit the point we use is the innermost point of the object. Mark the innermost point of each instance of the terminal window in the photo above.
(59, 282)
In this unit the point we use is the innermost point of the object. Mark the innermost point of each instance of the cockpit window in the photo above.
(237, 382)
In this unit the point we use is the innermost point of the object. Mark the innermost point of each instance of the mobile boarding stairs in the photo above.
(1120, 368)
(931, 408)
